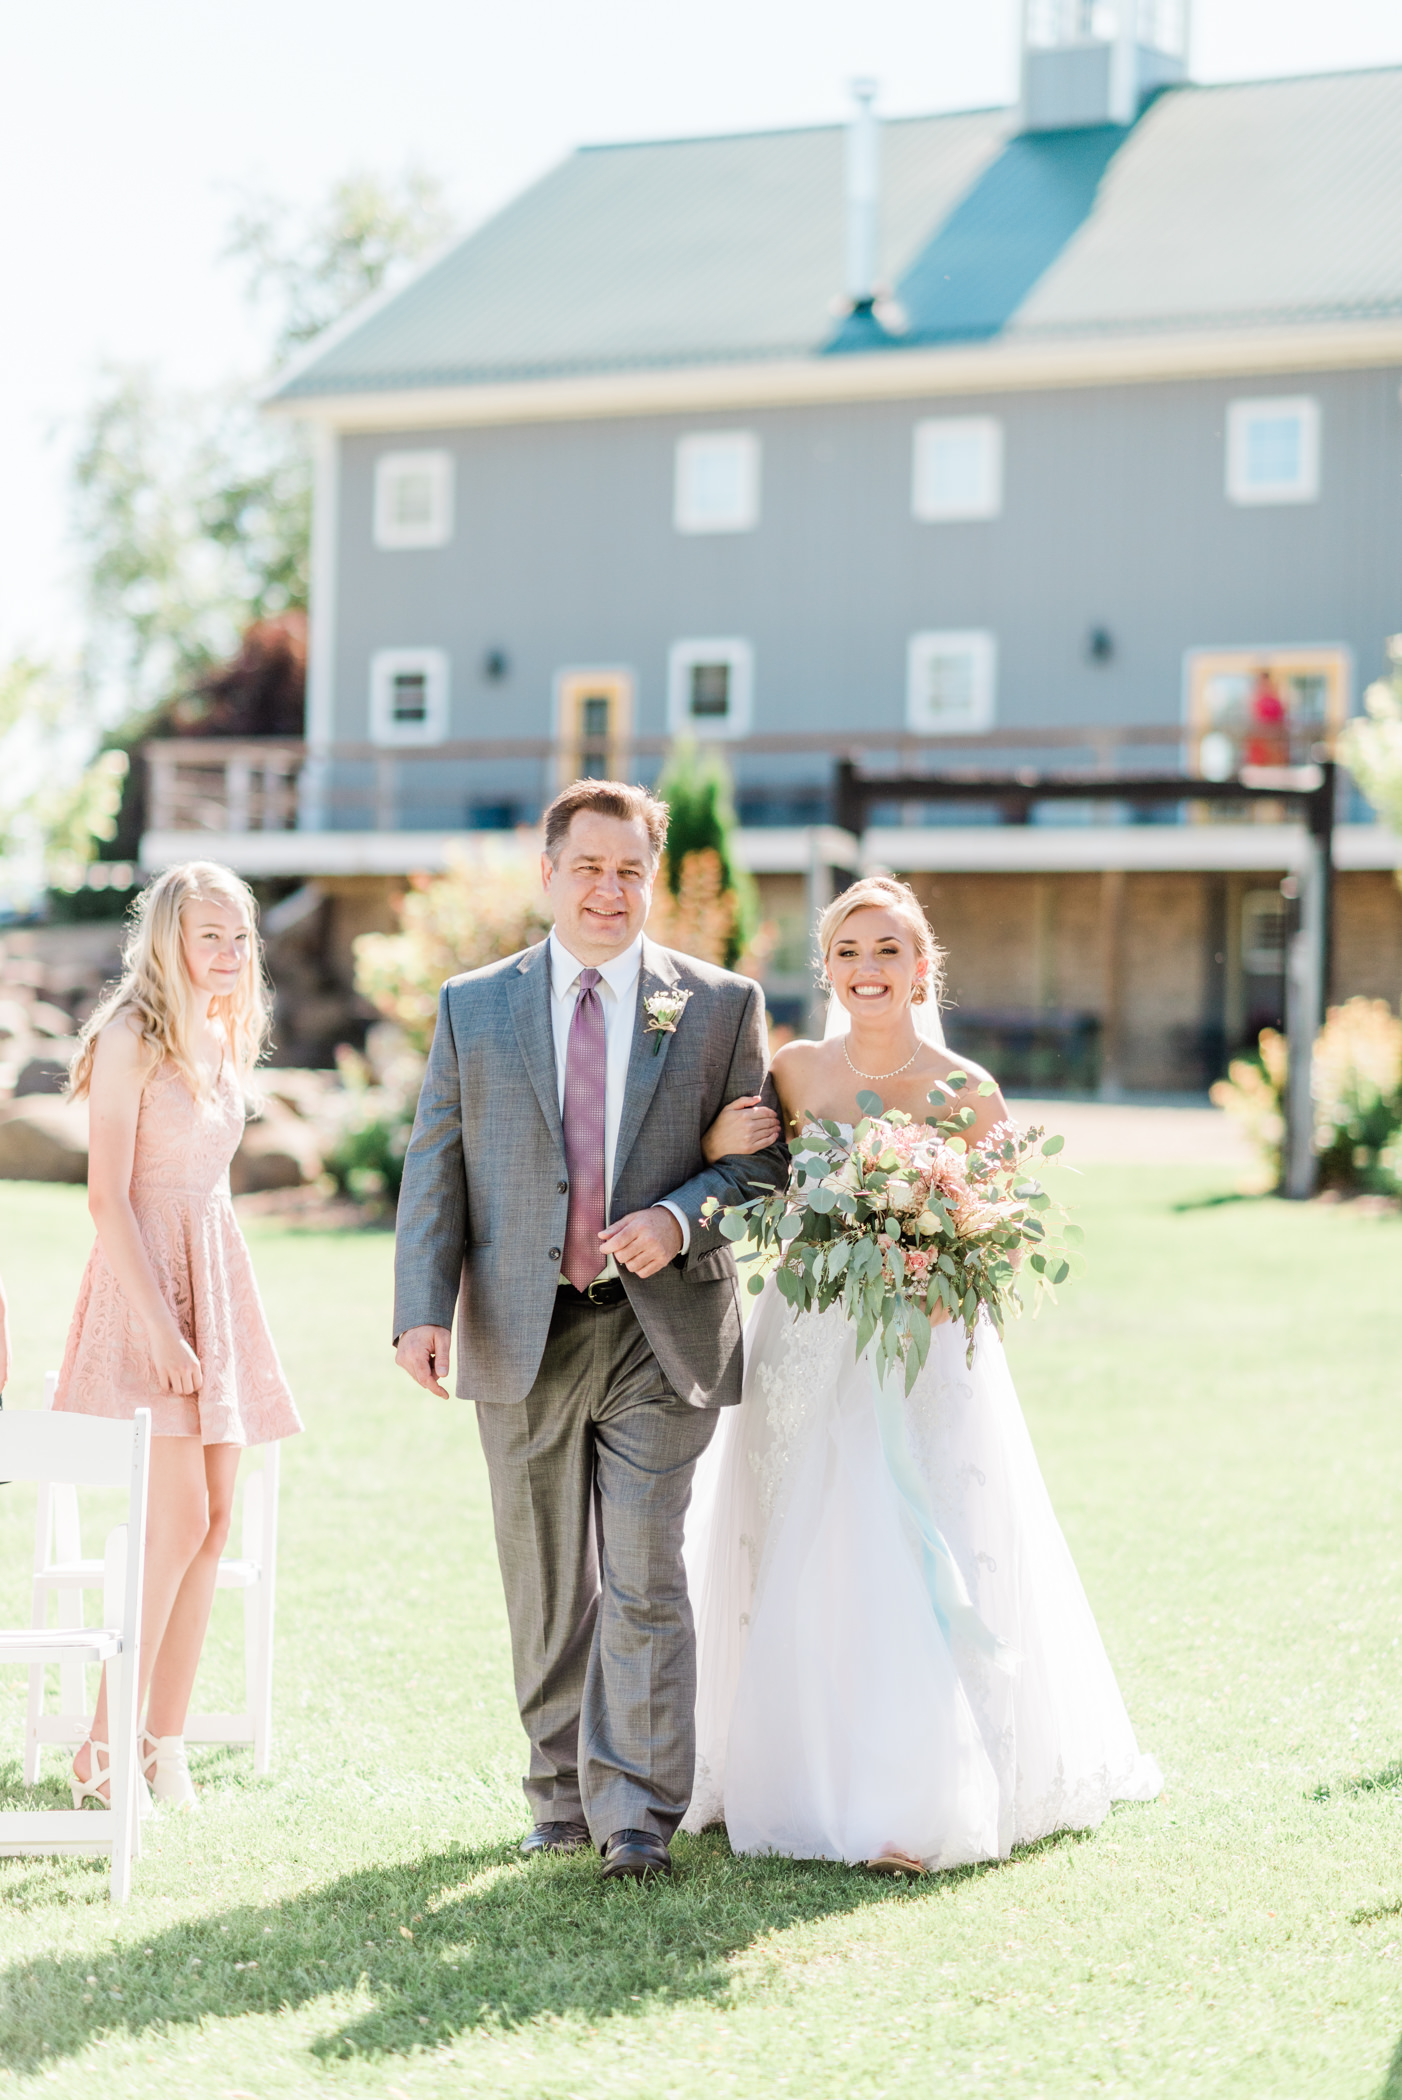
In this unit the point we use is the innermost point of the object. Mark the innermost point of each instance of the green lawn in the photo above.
(1216, 1411)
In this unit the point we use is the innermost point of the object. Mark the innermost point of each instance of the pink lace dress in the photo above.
(180, 1193)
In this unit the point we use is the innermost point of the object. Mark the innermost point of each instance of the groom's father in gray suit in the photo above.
(554, 1187)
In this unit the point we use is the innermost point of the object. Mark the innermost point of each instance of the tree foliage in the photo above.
(314, 270)
(192, 518)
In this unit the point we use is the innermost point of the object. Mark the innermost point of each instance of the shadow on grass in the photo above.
(463, 1938)
(1216, 1201)
(1392, 2087)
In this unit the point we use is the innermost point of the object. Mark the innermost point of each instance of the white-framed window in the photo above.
(956, 468)
(409, 696)
(1273, 450)
(951, 682)
(413, 499)
(710, 688)
(717, 482)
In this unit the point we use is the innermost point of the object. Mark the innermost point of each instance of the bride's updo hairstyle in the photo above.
(886, 894)
(155, 987)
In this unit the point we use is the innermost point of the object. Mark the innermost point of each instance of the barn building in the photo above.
(1063, 435)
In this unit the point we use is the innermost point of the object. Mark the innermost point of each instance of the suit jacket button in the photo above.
(554, 1254)
(563, 1187)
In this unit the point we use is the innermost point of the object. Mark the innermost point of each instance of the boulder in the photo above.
(279, 1151)
(43, 1139)
(42, 1075)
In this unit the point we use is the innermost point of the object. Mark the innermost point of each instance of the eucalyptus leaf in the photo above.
(1053, 1144)
(733, 1226)
(755, 1286)
(790, 1227)
(868, 1102)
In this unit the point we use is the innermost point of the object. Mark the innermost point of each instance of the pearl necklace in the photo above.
(879, 1075)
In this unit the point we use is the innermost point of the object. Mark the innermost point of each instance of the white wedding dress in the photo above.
(837, 1718)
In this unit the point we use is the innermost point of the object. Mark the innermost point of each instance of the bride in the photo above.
(836, 1717)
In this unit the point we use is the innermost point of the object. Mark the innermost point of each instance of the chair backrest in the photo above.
(85, 1449)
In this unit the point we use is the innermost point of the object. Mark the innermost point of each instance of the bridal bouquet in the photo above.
(902, 1220)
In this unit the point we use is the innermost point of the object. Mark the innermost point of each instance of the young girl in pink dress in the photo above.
(168, 1314)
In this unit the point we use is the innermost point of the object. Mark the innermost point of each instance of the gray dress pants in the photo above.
(591, 1477)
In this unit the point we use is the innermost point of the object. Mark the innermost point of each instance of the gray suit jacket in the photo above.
(483, 1206)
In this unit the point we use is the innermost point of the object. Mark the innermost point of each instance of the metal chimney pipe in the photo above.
(863, 197)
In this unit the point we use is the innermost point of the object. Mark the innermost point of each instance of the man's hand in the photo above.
(423, 1353)
(643, 1242)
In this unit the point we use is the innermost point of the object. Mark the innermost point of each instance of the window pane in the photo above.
(1274, 451)
(409, 699)
(413, 499)
(717, 482)
(949, 687)
(954, 470)
(710, 689)
(595, 718)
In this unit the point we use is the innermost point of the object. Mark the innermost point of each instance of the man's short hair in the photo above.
(611, 798)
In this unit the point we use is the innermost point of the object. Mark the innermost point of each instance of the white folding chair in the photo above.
(61, 1570)
(90, 1453)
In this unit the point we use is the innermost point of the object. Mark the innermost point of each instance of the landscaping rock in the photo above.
(42, 1075)
(43, 1139)
(279, 1151)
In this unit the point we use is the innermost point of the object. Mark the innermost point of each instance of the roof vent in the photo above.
(1087, 62)
(863, 198)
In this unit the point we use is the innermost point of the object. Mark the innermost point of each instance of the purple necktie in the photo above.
(586, 1065)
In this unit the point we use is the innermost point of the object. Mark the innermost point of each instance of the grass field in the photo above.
(1216, 1409)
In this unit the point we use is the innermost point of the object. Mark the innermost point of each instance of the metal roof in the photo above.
(1223, 206)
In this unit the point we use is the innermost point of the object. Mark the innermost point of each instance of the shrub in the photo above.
(1357, 1086)
(704, 902)
(1371, 745)
(480, 908)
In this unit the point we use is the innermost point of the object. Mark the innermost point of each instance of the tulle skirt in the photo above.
(836, 1719)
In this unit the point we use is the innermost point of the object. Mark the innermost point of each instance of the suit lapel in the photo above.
(649, 1054)
(528, 996)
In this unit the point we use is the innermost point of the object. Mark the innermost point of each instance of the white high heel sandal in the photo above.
(99, 1776)
(163, 1765)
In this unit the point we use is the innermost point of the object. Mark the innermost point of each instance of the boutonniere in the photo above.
(663, 1010)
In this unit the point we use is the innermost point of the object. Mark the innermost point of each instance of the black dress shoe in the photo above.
(635, 1855)
(557, 1837)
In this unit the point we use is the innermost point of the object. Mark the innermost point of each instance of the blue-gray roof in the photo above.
(1223, 206)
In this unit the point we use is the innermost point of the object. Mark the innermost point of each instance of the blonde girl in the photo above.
(168, 1314)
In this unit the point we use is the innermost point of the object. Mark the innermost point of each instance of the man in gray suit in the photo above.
(555, 1187)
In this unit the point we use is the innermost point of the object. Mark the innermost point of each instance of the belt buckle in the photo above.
(600, 1283)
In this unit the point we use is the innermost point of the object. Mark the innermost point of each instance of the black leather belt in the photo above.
(604, 1290)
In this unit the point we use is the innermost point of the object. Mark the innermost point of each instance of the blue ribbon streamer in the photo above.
(949, 1596)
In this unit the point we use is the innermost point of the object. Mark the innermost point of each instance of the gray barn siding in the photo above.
(1115, 515)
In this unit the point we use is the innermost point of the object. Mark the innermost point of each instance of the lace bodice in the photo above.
(184, 1144)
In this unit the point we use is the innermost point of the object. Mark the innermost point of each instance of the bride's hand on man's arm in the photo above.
(743, 1126)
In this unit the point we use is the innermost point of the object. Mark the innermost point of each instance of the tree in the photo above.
(704, 902)
(316, 271)
(192, 512)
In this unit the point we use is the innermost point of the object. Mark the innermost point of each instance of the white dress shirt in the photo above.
(618, 995)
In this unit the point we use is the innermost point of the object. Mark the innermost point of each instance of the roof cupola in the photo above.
(1087, 62)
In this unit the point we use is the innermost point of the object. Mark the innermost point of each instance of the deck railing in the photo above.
(221, 784)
